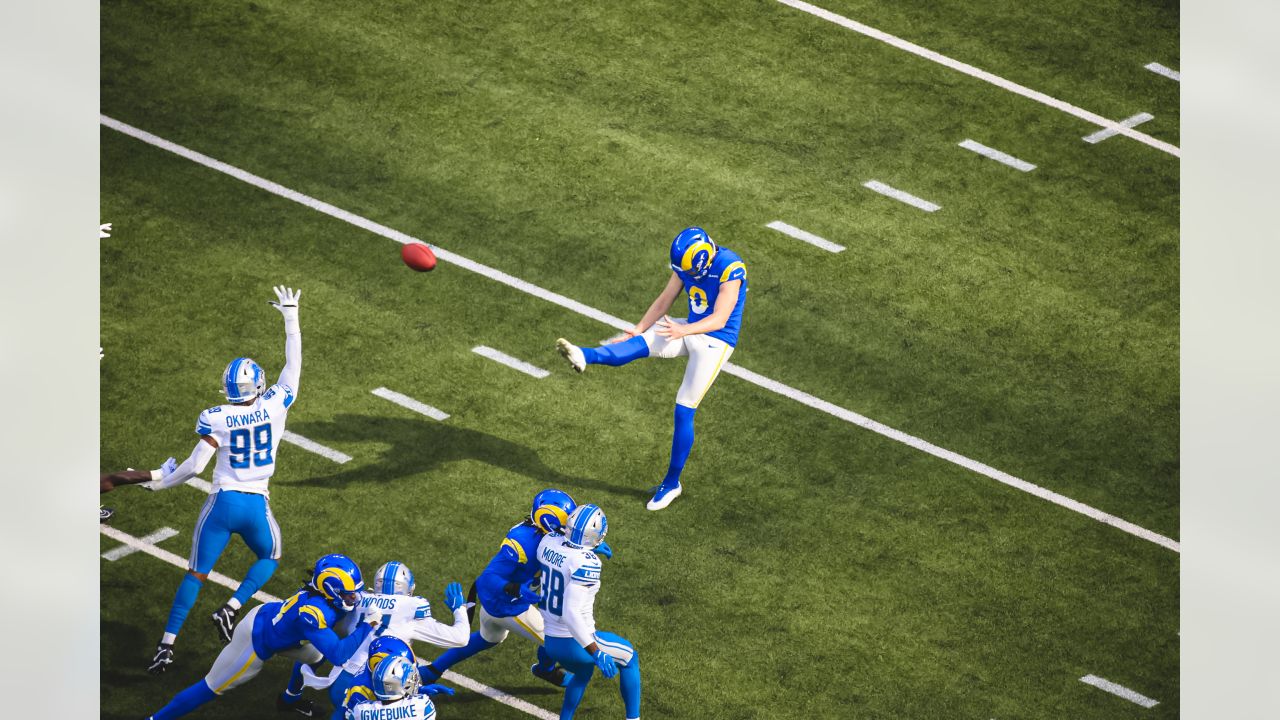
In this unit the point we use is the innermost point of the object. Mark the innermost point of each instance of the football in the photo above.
(418, 256)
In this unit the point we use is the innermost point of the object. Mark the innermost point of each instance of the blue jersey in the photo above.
(725, 266)
(349, 691)
(304, 617)
(509, 569)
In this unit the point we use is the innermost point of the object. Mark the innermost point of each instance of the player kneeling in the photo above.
(395, 683)
(570, 581)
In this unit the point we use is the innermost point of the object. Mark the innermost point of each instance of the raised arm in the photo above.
(288, 306)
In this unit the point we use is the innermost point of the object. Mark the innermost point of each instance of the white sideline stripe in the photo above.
(994, 154)
(983, 75)
(1127, 122)
(1119, 690)
(1159, 69)
(142, 545)
(160, 535)
(620, 324)
(502, 697)
(808, 237)
(513, 363)
(905, 197)
(311, 445)
(407, 402)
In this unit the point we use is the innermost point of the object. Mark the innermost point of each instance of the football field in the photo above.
(940, 477)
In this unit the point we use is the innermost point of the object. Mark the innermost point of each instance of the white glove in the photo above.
(104, 230)
(288, 306)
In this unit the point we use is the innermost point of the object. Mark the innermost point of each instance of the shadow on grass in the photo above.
(424, 445)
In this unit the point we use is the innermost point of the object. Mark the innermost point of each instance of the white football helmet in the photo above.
(243, 380)
(587, 526)
(394, 578)
(395, 678)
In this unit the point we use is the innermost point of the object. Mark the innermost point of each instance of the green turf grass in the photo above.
(813, 569)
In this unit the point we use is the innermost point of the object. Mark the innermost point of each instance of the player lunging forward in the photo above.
(402, 615)
(570, 581)
(507, 590)
(244, 434)
(301, 627)
(715, 279)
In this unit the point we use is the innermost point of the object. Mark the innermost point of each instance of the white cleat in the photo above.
(572, 353)
(663, 496)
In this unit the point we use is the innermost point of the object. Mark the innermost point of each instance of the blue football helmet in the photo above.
(394, 578)
(587, 526)
(337, 578)
(551, 509)
(397, 678)
(692, 252)
(243, 380)
(388, 646)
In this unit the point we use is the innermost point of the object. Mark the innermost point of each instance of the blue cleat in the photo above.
(664, 495)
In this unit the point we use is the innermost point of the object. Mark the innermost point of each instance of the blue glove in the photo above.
(530, 593)
(604, 551)
(453, 596)
(434, 690)
(604, 661)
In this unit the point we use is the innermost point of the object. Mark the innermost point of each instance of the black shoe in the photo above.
(162, 660)
(225, 620)
(556, 675)
(302, 705)
(105, 513)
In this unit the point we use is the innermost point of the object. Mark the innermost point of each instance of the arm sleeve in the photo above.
(337, 650)
(292, 371)
(192, 466)
(428, 629)
(491, 585)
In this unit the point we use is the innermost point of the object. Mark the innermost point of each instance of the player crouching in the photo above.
(395, 683)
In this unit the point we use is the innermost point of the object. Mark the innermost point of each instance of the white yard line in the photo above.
(980, 74)
(513, 363)
(620, 324)
(994, 154)
(901, 196)
(125, 550)
(1159, 69)
(294, 438)
(407, 402)
(502, 697)
(803, 236)
(141, 544)
(202, 485)
(1119, 690)
(1109, 132)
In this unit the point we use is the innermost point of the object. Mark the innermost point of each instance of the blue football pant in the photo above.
(575, 659)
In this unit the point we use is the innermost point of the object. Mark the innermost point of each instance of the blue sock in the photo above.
(294, 691)
(629, 678)
(258, 575)
(185, 598)
(681, 444)
(456, 655)
(545, 661)
(186, 701)
(618, 353)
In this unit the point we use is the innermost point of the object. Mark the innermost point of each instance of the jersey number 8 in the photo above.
(552, 590)
(241, 452)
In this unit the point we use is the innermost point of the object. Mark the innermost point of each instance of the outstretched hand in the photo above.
(287, 298)
(453, 597)
(669, 328)
(530, 593)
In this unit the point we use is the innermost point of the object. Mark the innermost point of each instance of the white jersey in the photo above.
(247, 437)
(407, 617)
(415, 707)
(570, 581)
